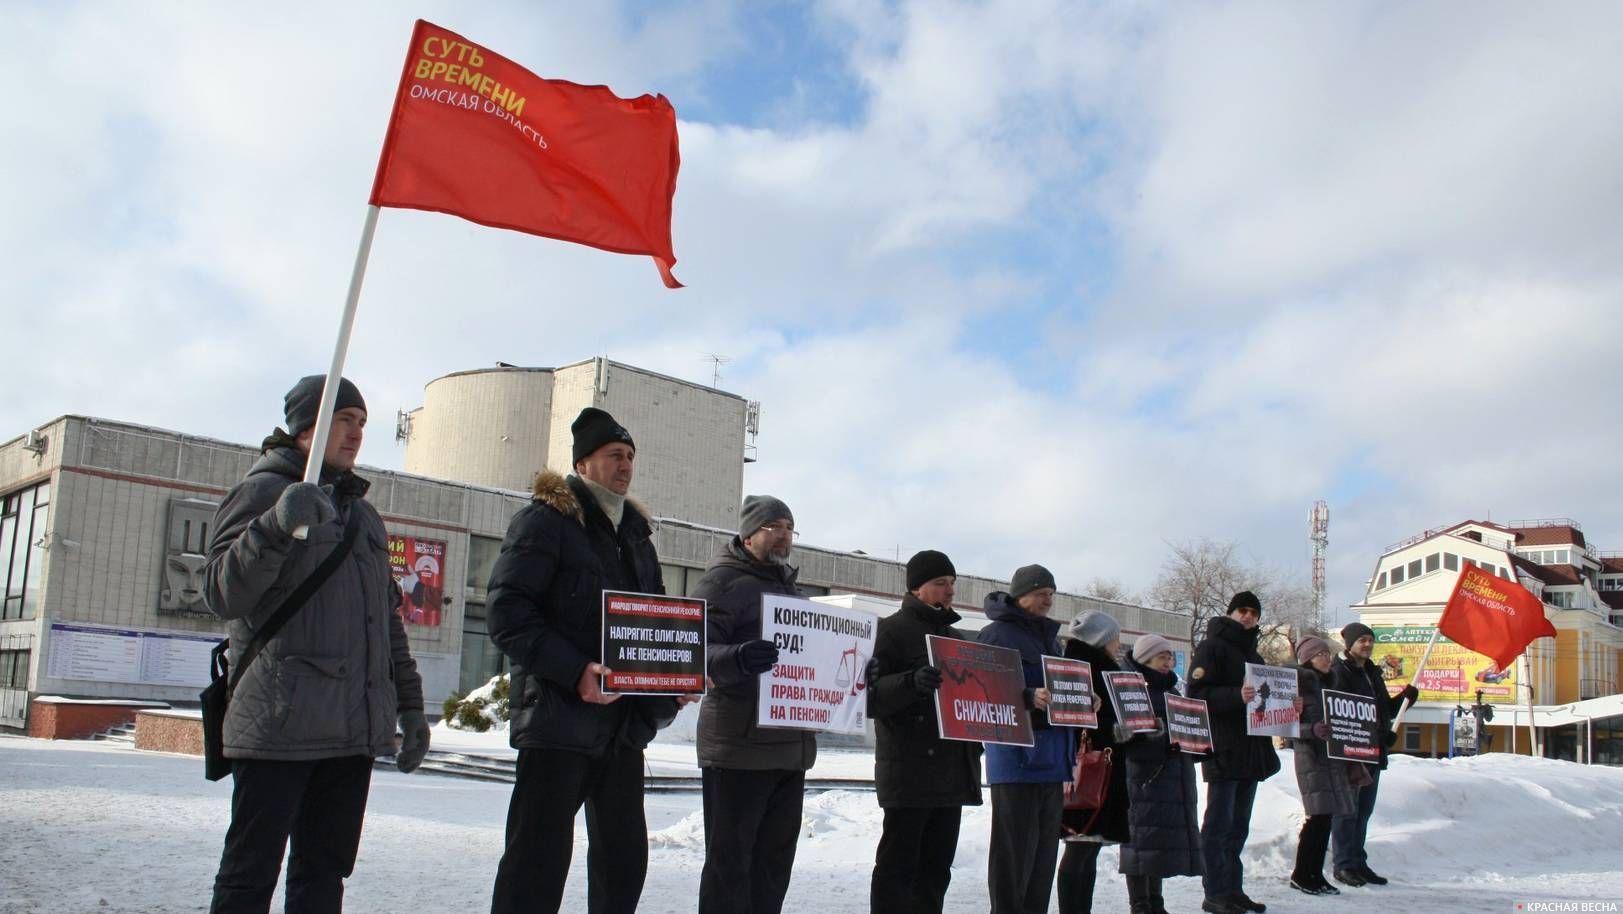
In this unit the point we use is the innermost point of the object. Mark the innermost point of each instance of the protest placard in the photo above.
(1070, 692)
(1189, 724)
(1131, 699)
(820, 680)
(1272, 711)
(982, 694)
(653, 643)
(1354, 727)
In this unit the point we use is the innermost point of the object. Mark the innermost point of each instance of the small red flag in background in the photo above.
(1492, 616)
(475, 135)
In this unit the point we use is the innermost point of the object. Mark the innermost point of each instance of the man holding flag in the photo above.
(1354, 672)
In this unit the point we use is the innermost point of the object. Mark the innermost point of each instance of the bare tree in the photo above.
(1199, 578)
(1109, 589)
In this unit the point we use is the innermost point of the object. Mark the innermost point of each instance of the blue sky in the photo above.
(1084, 278)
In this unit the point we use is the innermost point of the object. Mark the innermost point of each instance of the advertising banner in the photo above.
(1070, 690)
(1189, 724)
(1453, 672)
(1131, 698)
(1272, 711)
(418, 566)
(1354, 728)
(982, 694)
(653, 643)
(820, 680)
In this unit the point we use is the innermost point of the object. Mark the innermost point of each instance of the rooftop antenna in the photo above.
(716, 361)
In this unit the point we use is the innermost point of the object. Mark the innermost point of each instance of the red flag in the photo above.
(475, 135)
(1492, 616)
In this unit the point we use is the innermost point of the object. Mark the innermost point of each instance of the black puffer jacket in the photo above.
(1323, 782)
(1161, 796)
(546, 615)
(1363, 677)
(1111, 822)
(1216, 675)
(913, 765)
(732, 588)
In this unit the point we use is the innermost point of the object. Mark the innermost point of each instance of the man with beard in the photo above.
(754, 778)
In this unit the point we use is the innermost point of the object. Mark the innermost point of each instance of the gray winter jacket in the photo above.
(332, 682)
(1323, 781)
(732, 588)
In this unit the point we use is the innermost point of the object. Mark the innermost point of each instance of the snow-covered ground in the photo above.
(95, 827)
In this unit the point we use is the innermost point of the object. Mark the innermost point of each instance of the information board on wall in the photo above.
(97, 654)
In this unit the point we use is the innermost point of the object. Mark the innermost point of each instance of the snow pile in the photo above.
(141, 832)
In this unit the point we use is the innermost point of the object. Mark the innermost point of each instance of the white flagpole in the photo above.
(1414, 680)
(329, 391)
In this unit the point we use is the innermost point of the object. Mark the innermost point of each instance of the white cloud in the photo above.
(1278, 252)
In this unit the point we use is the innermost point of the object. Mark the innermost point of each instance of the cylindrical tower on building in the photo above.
(488, 427)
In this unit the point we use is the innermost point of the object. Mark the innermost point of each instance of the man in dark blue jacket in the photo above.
(1354, 672)
(1028, 785)
(576, 744)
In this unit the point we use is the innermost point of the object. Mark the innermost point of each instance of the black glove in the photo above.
(1409, 695)
(756, 657)
(303, 504)
(926, 679)
(1389, 738)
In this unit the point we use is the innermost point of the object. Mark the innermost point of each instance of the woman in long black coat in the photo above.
(1095, 638)
(1326, 784)
(1164, 833)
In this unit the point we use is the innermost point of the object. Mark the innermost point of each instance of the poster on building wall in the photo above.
(1272, 711)
(1355, 734)
(653, 643)
(982, 695)
(820, 681)
(1453, 673)
(1070, 689)
(97, 654)
(418, 566)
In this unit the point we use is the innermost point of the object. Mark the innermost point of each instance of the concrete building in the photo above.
(498, 426)
(105, 524)
(1571, 681)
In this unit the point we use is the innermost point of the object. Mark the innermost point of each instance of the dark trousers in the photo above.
(1024, 846)
(319, 806)
(550, 788)
(1349, 832)
(751, 826)
(1078, 871)
(913, 865)
(1223, 833)
(1310, 847)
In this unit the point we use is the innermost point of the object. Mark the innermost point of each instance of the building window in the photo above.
(1563, 557)
(1411, 738)
(482, 554)
(1397, 574)
(1414, 568)
(22, 559)
(1451, 561)
(14, 669)
(1433, 562)
(1380, 581)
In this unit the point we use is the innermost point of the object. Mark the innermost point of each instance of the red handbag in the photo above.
(1090, 781)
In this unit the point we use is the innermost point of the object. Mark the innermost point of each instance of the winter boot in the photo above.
(1350, 877)
(1370, 876)
(1138, 895)
(1158, 905)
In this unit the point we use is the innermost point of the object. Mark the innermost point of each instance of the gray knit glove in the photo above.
(303, 504)
(413, 741)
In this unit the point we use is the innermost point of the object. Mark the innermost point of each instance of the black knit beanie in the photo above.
(594, 428)
(926, 566)
(1245, 599)
(1353, 631)
(303, 402)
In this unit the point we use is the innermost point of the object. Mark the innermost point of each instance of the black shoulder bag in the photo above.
(223, 680)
